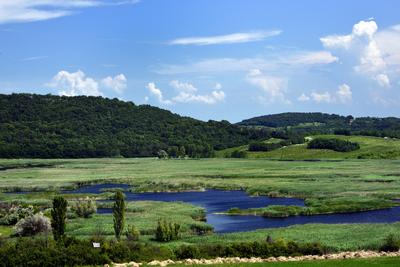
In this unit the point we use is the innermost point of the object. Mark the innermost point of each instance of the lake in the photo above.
(219, 200)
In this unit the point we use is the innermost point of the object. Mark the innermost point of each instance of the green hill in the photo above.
(47, 126)
(321, 123)
(370, 147)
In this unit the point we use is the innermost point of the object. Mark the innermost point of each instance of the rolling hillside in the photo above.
(370, 148)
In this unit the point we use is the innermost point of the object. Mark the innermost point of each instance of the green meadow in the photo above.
(327, 185)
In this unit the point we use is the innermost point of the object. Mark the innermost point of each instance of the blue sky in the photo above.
(208, 59)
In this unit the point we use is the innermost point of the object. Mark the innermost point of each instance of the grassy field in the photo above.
(326, 184)
(372, 262)
(370, 148)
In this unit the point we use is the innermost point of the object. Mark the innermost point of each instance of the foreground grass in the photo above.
(373, 262)
(336, 237)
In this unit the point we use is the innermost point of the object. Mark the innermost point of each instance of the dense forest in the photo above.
(321, 123)
(48, 126)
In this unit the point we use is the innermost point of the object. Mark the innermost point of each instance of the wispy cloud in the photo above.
(33, 58)
(293, 59)
(241, 37)
(18, 11)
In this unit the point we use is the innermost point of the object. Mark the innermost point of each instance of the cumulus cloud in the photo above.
(156, 92)
(75, 83)
(303, 98)
(242, 37)
(324, 97)
(17, 11)
(187, 93)
(182, 86)
(273, 87)
(342, 95)
(377, 52)
(117, 83)
(78, 83)
(218, 86)
(383, 80)
(212, 98)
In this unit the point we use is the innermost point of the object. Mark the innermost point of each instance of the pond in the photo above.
(218, 201)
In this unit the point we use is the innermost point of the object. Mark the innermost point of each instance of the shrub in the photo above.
(238, 154)
(12, 214)
(132, 233)
(85, 207)
(33, 225)
(333, 144)
(188, 252)
(260, 146)
(342, 132)
(162, 154)
(167, 231)
(201, 228)
(391, 243)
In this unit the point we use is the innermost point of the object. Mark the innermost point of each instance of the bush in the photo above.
(391, 243)
(342, 132)
(33, 225)
(260, 146)
(132, 233)
(238, 154)
(167, 231)
(12, 214)
(162, 154)
(85, 207)
(333, 144)
(201, 228)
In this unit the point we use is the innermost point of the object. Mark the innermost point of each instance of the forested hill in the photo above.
(296, 118)
(48, 126)
(316, 123)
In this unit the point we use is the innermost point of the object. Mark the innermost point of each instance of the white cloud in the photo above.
(298, 59)
(377, 51)
(75, 83)
(157, 93)
(218, 86)
(309, 58)
(303, 98)
(273, 87)
(186, 94)
(17, 11)
(321, 97)
(33, 58)
(212, 98)
(243, 37)
(383, 80)
(181, 86)
(344, 93)
(117, 83)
